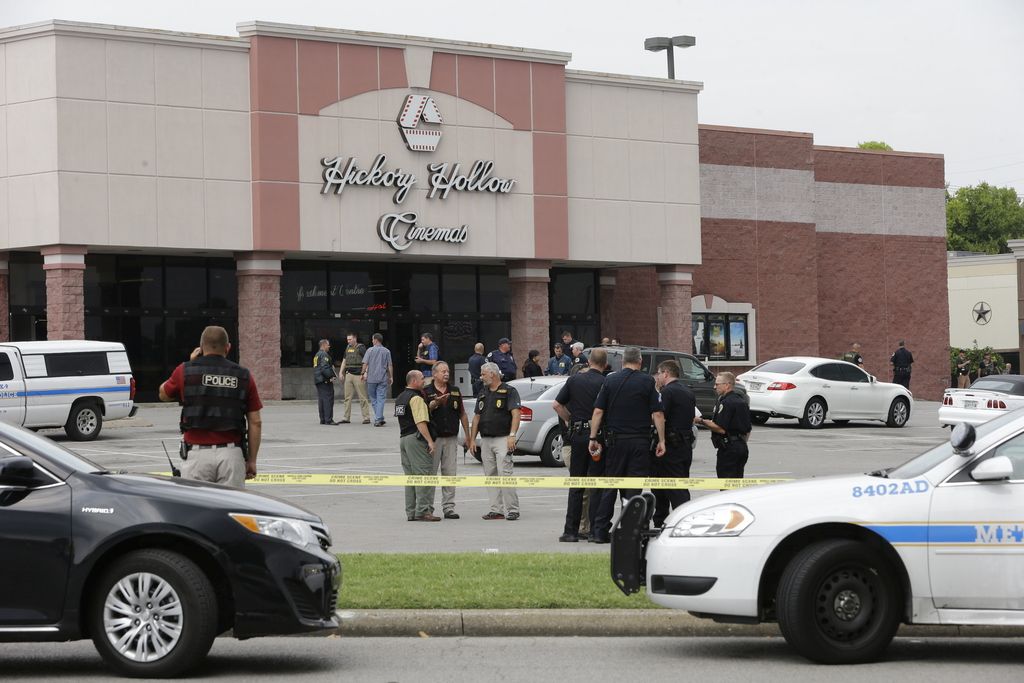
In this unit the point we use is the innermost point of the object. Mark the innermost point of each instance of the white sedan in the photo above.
(839, 562)
(813, 390)
(986, 398)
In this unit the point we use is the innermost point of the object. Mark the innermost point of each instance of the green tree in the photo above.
(875, 144)
(982, 218)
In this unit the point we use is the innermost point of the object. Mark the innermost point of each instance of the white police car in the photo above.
(841, 561)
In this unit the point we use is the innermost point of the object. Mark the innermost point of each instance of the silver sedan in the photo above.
(539, 432)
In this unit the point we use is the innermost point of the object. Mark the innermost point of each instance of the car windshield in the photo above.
(1000, 385)
(24, 441)
(780, 367)
(930, 459)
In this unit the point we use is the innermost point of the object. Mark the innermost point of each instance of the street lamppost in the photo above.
(659, 44)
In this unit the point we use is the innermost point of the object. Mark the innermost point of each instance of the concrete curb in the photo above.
(590, 623)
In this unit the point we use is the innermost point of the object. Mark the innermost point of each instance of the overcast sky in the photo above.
(938, 76)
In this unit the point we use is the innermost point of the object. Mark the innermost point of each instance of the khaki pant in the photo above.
(497, 461)
(225, 465)
(446, 448)
(355, 385)
(419, 500)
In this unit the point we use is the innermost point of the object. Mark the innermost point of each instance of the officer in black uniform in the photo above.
(502, 357)
(901, 361)
(729, 428)
(679, 405)
(626, 406)
(575, 405)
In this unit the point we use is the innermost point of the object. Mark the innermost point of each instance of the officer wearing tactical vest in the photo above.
(496, 419)
(679, 405)
(351, 369)
(417, 447)
(220, 413)
(853, 356)
(446, 414)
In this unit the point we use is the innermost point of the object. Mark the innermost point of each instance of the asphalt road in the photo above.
(372, 519)
(567, 660)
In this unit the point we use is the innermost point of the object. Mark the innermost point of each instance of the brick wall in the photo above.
(65, 303)
(530, 318)
(636, 306)
(259, 330)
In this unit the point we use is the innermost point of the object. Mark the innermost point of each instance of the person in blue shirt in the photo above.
(559, 363)
(426, 354)
(502, 357)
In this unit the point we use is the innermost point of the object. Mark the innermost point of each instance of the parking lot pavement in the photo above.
(372, 519)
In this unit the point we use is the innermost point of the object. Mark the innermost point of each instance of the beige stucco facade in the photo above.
(988, 279)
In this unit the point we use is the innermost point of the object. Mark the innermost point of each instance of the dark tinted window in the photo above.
(830, 371)
(783, 367)
(849, 373)
(358, 288)
(691, 369)
(6, 370)
(458, 289)
(303, 286)
(76, 364)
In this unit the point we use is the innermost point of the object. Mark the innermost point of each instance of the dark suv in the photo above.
(150, 568)
(691, 371)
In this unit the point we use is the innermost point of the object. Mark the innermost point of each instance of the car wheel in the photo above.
(759, 418)
(899, 412)
(551, 453)
(840, 422)
(85, 421)
(154, 614)
(814, 414)
(838, 602)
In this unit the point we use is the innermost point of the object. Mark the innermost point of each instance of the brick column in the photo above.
(674, 286)
(528, 285)
(607, 278)
(259, 319)
(64, 265)
(5, 299)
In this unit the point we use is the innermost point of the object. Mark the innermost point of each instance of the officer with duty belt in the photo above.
(679, 405)
(496, 419)
(575, 405)
(446, 414)
(417, 447)
(626, 406)
(729, 428)
(220, 413)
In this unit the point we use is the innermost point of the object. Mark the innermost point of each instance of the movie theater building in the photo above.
(295, 183)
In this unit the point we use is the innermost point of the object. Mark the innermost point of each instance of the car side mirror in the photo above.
(872, 379)
(17, 470)
(998, 468)
(962, 438)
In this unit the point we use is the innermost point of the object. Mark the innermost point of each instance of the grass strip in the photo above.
(481, 581)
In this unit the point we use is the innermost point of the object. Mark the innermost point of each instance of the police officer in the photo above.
(575, 405)
(626, 406)
(729, 428)
(220, 413)
(476, 361)
(417, 447)
(496, 419)
(323, 378)
(853, 356)
(446, 414)
(679, 404)
(559, 363)
(578, 361)
(351, 369)
(901, 361)
(502, 357)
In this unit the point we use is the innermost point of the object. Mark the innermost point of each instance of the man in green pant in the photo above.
(417, 446)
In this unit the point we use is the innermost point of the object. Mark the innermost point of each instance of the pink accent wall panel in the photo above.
(272, 74)
(275, 216)
(476, 80)
(318, 75)
(548, 97)
(550, 167)
(551, 227)
(512, 96)
(275, 147)
(443, 77)
(392, 68)
(358, 70)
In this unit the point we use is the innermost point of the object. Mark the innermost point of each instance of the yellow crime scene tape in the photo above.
(519, 482)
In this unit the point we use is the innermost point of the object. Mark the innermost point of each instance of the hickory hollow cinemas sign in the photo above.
(400, 229)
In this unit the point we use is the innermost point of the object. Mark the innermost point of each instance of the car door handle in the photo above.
(826, 386)
(853, 388)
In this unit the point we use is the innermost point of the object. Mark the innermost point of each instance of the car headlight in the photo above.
(295, 531)
(721, 520)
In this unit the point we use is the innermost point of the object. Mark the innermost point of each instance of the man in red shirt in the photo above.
(220, 412)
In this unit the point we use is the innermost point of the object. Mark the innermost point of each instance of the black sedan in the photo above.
(150, 568)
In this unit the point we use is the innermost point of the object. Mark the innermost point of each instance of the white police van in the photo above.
(841, 561)
(71, 384)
